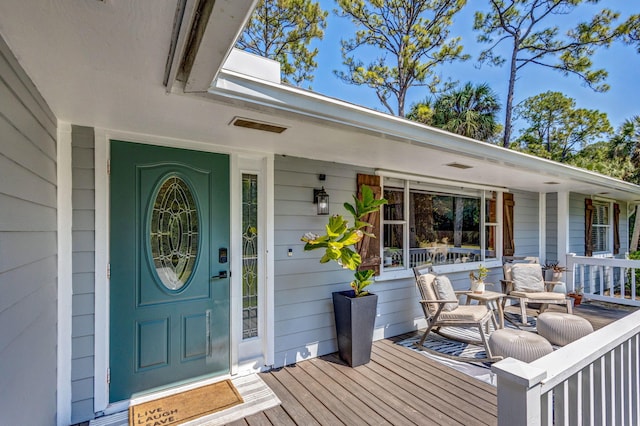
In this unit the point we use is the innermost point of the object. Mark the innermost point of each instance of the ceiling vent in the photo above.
(459, 166)
(257, 125)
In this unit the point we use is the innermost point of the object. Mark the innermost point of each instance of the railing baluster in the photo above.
(594, 380)
(610, 384)
(599, 386)
(600, 278)
(628, 381)
(608, 270)
(546, 407)
(635, 380)
(588, 385)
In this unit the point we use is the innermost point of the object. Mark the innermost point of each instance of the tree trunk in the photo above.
(512, 82)
(636, 231)
(457, 222)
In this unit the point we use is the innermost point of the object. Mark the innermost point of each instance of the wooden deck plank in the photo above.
(329, 398)
(286, 376)
(389, 382)
(367, 395)
(333, 390)
(462, 403)
(363, 376)
(399, 386)
(461, 380)
(258, 419)
(296, 411)
(445, 402)
(433, 370)
(278, 416)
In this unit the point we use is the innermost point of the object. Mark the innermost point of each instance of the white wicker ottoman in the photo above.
(561, 329)
(522, 345)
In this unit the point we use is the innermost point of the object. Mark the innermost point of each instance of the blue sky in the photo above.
(622, 62)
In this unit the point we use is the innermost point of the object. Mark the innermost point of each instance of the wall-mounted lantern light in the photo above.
(321, 199)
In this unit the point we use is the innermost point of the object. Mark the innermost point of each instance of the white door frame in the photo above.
(101, 332)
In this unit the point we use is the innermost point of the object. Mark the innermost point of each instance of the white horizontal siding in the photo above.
(28, 250)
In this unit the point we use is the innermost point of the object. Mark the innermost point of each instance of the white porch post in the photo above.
(563, 225)
(542, 226)
(519, 402)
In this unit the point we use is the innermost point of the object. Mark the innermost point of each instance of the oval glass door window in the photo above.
(174, 233)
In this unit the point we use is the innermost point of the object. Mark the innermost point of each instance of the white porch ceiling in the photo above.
(102, 64)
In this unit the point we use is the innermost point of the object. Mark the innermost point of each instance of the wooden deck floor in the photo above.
(399, 386)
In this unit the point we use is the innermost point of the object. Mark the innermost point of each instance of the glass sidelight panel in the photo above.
(249, 256)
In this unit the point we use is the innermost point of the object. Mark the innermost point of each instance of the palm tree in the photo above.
(469, 111)
(626, 145)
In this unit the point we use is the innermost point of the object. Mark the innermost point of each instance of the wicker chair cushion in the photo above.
(527, 277)
(425, 285)
(539, 295)
(444, 291)
(466, 313)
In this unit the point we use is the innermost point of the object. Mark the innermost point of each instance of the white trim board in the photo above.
(101, 344)
(65, 273)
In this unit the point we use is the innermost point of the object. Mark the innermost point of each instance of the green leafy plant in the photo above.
(554, 266)
(578, 290)
(634, 255)
(340, 238)
(482, 274)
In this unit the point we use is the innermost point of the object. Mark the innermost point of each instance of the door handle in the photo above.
(208, 333)
(221, 275)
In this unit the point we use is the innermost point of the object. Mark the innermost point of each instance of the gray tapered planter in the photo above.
(355, 318)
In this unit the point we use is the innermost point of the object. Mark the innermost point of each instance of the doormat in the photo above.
(179, 408)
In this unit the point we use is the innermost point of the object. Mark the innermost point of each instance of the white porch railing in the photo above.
(443, 255)
(592, 381)
(604, 278)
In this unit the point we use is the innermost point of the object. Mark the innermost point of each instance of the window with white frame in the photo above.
(429, 224)
(601, 228)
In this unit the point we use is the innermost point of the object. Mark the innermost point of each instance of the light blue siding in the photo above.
(303, 286)
(83, 240)
(576, 223)
(526, 223)
(28, 250)
(304, 325)
(552, 229)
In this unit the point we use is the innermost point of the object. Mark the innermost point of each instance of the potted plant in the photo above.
(556, 270)
(354, 310)
(477, 282)
(576, 295)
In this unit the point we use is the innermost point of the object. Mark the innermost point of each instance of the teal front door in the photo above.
(169, 286)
